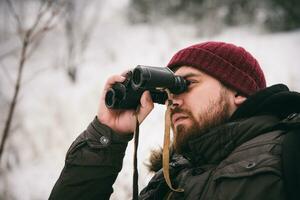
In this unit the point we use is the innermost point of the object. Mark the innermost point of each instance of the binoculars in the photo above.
(156, 80)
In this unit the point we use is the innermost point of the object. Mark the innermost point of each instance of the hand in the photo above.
(123, 121)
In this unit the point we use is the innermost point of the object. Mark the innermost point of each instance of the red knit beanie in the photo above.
(232, 65)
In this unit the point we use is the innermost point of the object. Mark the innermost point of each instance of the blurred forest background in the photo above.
(55, 56)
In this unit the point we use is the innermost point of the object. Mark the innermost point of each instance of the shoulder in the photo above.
(268, 145)
(253, 169)
(259, 155)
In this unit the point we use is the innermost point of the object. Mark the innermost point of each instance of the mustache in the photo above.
(179, 110)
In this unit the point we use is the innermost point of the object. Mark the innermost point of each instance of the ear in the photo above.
(239, 99)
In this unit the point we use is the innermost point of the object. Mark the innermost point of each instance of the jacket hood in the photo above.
(275, 101)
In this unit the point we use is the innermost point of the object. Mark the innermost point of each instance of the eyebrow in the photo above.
(189, 75)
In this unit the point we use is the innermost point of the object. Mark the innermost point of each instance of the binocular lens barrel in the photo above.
(110, 98)
(137, 78)
(126, 95)
(158, 77)
(152, 77)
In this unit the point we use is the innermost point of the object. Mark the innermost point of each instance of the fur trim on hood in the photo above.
(156, 159)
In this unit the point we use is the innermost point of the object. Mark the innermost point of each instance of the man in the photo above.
(228, 133)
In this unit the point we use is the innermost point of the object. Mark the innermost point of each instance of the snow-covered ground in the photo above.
(55, 111)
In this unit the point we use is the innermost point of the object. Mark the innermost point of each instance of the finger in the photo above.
(146, 106)
(146, 99)
(124, 73)
(113, 79)
(109, 83)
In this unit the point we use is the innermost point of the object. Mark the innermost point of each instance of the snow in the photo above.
(54, 111)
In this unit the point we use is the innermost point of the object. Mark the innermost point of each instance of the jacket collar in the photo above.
(275, 100)
(217, 144)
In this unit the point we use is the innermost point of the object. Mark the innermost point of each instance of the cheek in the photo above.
(194, 107)
(196, 101)
(200, 99)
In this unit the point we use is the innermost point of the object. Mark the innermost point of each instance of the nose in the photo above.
(177, 101)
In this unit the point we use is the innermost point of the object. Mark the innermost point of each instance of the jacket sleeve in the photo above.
(92, 164)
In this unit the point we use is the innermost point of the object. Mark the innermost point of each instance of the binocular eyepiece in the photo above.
(126, 95)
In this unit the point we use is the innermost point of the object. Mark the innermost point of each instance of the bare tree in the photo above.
(30, 38)
(78, 26)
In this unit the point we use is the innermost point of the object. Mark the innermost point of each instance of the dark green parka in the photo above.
(241, 159)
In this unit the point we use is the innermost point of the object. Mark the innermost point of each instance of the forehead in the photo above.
(184, 70)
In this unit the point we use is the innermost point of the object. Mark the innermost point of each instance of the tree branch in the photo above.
(27, 40)
(15, 15)
(15, 96)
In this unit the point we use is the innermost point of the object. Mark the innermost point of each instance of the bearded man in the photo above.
(228, 129)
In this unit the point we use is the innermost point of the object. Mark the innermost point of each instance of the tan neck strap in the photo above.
(166, 147)
(166, 153)
(135, 186)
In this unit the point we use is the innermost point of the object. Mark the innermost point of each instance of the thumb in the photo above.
(146, 106)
